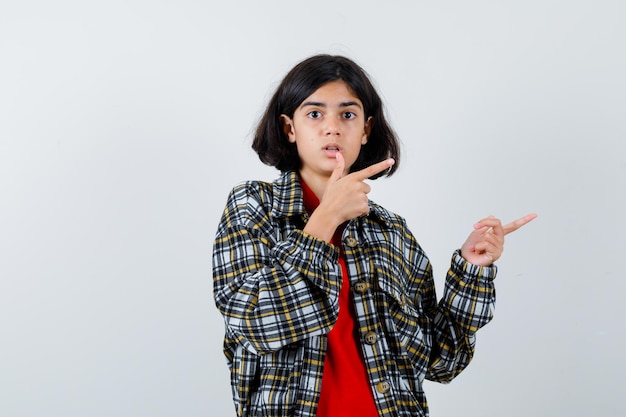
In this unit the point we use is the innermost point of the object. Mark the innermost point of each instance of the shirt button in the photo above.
(383, 387)
(361, 287)
(351, 242)
(370, 338)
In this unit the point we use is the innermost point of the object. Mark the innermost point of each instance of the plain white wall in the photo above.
(123, 124)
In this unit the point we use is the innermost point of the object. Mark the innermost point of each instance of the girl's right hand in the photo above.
(345, 198)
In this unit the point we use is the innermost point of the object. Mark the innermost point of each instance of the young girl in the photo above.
(328, 300)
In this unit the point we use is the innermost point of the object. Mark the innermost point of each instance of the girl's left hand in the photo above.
(485, 244)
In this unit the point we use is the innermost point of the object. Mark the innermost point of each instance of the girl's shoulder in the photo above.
(391, 218)
(286, 184)
(282, 196)
(248, 187)
(250, 192)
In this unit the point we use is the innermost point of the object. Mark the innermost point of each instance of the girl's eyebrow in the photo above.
(323, 105)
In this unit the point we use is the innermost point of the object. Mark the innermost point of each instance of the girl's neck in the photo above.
(316, 183)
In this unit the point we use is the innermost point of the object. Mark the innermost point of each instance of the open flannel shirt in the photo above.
(278, 290)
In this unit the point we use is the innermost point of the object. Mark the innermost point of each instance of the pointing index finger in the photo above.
(372, 170)
(514, 225)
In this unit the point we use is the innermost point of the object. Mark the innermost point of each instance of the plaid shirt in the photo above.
(278, 290)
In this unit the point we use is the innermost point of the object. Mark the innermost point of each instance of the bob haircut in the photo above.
(270, 141)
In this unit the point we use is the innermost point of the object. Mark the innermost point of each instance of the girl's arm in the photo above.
(272, 290)
(469, 297)
(466, 306)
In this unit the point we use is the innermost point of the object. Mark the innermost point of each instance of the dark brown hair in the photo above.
(270, 141)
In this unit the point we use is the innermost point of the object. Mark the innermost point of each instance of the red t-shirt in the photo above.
(346, 390)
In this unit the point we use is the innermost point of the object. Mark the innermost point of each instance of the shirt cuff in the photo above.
(470, 271)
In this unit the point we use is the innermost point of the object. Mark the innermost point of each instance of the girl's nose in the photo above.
(331, 127)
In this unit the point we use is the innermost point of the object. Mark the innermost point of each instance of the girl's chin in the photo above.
(320, 172)
(322, 169)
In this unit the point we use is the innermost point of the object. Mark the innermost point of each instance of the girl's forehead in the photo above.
(333, 91)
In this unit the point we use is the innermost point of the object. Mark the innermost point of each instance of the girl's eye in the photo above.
(349, 115)
(315, 114)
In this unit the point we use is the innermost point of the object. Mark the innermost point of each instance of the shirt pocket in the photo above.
(277, 388)
(411, 401)
(405, 316)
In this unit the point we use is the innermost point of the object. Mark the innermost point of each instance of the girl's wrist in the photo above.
(321, 225)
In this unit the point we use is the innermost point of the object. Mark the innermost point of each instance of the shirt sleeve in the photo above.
(273, 287)
(466, 306)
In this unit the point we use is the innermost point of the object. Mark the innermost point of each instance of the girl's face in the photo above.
(330, 120)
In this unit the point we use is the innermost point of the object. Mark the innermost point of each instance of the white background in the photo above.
(123, 125)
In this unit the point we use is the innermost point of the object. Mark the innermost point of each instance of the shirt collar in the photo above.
(311, 201)
(287, 194)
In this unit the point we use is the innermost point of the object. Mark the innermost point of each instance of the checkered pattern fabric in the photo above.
(277, 289)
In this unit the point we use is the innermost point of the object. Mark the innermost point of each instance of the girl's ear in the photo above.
(288, 127)
(367, 129)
